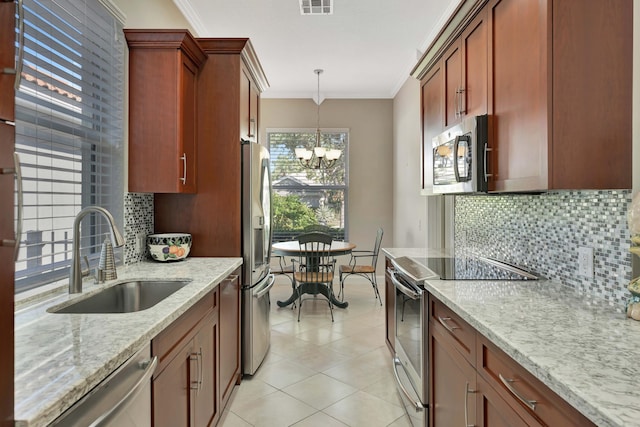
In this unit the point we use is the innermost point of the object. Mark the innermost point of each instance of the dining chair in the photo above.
(283, 268)
(357, 266)
(314, 269)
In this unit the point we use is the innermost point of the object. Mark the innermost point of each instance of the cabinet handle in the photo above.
(531, 404)
(467, 391)
(486, 150)
(461, 102)
(252, 128)
(184, 166)
(455, 104)
(195, 385)
(17, 171)
(200, 369)
(443, 321)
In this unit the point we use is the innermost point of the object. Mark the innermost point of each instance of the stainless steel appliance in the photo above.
(123, 399)
(256, 248)
(411, 361)
(460, 156)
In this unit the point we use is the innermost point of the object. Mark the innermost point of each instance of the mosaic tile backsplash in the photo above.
(543, 232)
(138, 221)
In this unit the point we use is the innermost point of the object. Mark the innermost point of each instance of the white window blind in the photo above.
(69, 133)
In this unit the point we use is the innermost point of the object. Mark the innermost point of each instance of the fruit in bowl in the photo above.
(169, 246)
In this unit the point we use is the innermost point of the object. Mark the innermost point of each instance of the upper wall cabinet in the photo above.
(163, 69)
(558, 84)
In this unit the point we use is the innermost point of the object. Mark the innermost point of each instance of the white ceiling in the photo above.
(366, 48)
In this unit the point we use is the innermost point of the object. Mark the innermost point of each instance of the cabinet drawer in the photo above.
(522, 391)
(170, 341)
(463, 335)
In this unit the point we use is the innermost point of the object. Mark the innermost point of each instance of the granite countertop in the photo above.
(60, 357)
(583, 349)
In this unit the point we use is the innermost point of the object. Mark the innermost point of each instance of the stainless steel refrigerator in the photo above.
(256, 249)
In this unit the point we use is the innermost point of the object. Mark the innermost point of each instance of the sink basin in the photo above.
(124, 297)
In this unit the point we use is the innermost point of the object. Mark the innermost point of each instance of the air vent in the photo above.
(316, 7)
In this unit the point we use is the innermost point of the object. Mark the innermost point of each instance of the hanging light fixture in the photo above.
(318, 157)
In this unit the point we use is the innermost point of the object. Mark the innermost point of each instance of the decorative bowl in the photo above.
(169, 246)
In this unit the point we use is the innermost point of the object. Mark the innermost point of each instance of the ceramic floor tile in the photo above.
(250, 388)
(319, 419)
(229, 419)
(320, 391)
(283, 373)
(321, 359)
(273, 410)
(386, 390)
(363, 409)
(403, 421)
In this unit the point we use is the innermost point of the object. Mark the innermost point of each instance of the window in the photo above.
(304, 198)
(69, 133)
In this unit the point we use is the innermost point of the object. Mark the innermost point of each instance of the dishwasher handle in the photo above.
(147, 368)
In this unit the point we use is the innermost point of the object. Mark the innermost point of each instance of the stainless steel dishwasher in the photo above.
(123, 399)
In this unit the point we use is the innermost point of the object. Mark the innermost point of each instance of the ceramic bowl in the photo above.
(169, 246)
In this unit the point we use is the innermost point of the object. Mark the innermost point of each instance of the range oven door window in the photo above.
(410, 332)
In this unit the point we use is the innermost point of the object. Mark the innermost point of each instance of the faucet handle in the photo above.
(86, 272)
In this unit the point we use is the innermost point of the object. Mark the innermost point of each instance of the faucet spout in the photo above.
(75, 272)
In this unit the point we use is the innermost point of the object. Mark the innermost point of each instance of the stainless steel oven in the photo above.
(410, 362)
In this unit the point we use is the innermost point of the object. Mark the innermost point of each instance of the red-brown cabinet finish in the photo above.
(7, 197)
(560, 76)
(163, 70)
(432, 107)
(213, 214)
(230, 360)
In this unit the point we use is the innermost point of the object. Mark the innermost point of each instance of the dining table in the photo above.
(293, 248)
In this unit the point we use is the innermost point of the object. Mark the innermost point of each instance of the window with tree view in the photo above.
(305, 199)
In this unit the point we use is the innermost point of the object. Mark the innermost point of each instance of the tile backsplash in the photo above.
(138, 221)
(543, 232)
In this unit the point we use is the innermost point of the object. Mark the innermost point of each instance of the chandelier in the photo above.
(319, 157)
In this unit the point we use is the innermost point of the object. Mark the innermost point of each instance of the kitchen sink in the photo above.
(124, 297)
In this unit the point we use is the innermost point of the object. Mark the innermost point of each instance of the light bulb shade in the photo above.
(319, 151)
(333, 154)
(303, 153)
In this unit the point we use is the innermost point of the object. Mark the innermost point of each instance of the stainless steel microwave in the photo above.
(460, 157)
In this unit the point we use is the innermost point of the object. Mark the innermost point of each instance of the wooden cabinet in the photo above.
(473, 382)
(7, 197)
(230, 369)
(465, 70)
(249, 104)
(389, 308)
(185, 384)
(561, 77)
(555, 76)
(213, 215)
(163, 70)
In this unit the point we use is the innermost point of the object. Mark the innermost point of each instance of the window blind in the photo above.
(69, 133)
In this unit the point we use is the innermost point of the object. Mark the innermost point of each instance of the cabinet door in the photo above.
(518, 74)
(229, 335)
(245, 105)
(452, 66)
(493, 411)
(254, 109)
(7, 55)
(203, 355)
(186, 151)
(172, 394)
(453, 382)
(473, 99)
(389, 308)
(432, 119)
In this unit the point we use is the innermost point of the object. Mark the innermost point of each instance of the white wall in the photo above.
(409, 207)
(152, 14)
(370, 124)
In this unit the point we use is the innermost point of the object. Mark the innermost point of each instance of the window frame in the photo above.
(345, 153)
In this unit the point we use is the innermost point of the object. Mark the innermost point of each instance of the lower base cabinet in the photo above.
(198, 360)
(473, 382)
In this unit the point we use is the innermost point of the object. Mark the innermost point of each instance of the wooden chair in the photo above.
(359, 268)
(314, 269)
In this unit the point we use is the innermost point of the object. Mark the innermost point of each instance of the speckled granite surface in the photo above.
(581, 348)
(59, 357)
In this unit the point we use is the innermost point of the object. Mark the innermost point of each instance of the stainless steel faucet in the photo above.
(75, 272)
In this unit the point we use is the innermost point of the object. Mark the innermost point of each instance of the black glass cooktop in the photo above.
(420, 269)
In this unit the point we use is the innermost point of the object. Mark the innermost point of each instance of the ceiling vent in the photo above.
(316, 7)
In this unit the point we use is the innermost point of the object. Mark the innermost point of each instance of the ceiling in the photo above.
(366, 48)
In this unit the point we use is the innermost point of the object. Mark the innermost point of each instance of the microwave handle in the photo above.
(486, 154)
(456, 171)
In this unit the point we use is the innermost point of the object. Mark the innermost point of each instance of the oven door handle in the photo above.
(417, 405)
(414, 294)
